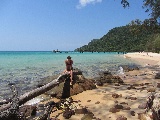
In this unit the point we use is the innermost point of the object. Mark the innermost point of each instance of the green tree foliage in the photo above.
(125, 3)
(153, 43)
(151, 6)
(136, 36)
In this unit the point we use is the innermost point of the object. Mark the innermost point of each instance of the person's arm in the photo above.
(65, 67)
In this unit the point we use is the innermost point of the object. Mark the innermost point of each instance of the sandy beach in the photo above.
(100, 101)
(144, 58)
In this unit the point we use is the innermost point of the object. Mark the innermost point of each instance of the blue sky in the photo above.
(46, 25)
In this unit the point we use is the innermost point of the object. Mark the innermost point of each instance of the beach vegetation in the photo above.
(153, 43)
(136, 36)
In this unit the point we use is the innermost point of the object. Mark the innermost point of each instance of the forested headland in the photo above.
(134, 37)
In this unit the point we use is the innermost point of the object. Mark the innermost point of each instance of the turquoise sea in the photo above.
(26, 68)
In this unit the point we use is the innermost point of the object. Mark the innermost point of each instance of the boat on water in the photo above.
(56, 51)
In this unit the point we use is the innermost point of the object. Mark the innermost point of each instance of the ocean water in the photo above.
(25, 69)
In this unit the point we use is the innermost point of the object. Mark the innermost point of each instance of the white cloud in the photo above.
(83, 3)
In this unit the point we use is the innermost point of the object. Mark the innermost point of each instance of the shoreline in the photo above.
(99, 101)
(144, 58)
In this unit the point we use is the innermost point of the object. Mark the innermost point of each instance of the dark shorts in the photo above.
(69, 69)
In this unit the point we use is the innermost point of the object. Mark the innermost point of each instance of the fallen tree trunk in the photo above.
(12, 113)
(36, 92)
(47, 112)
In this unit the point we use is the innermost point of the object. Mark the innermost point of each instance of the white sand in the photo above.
(144, 58)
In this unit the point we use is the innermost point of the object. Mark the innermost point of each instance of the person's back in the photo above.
(69, 67)
(68, 63)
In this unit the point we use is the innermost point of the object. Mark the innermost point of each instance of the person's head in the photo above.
(68, 57)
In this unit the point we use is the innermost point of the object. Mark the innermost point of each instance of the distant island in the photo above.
(129, 38)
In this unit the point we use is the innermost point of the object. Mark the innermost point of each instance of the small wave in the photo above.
(120, 71)
(34, 101)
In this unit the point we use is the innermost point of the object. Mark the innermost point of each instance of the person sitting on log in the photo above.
(69, 68)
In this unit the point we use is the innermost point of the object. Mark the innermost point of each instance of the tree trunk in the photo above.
(36, 92)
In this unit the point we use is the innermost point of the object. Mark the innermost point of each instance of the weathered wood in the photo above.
(13, 112)
(47, 112)
(36, 92)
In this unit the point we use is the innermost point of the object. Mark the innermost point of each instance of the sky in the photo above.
(46, 25)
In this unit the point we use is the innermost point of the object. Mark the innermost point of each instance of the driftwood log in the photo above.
(12, 113)
(47, 112)
(34, 93)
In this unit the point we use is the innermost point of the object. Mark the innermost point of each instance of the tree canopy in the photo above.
(151, 6)
(136, 36)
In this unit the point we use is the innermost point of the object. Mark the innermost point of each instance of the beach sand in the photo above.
(144, 58)
(100, 100)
